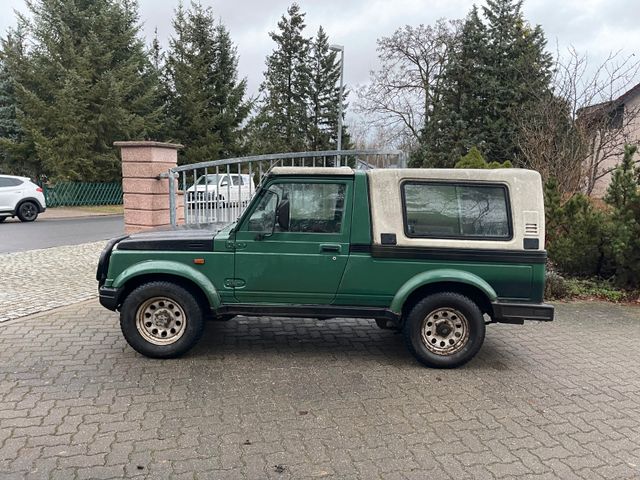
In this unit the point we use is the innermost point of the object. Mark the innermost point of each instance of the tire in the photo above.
(157, 307)
(27, 211)
(2, 219)
(444, 330)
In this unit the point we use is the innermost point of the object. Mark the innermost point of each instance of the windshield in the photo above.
(211, 179)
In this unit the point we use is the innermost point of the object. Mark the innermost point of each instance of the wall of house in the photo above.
(630, 135)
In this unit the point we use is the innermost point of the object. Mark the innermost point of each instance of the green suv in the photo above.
(437, 254)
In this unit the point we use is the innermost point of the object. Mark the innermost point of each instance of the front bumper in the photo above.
(519, 312)
(109, 297)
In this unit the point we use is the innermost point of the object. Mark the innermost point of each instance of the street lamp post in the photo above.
(339, 48)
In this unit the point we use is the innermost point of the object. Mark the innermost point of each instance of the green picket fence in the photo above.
(73, 194)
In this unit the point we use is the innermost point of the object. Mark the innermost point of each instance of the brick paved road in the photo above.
(38, 280)
(308, 399)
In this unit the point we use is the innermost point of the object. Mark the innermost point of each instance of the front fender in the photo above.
(437, 276)
(151, 267)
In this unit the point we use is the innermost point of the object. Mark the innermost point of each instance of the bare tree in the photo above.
(372, 135)
(551, 143)
(400, 96)
(578, 131)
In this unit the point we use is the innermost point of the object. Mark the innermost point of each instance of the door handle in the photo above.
(330, 247)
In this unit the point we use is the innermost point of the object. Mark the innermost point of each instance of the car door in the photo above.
(224, 188)
(302, 261)
(10, 193)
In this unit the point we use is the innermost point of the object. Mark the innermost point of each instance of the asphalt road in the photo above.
(16, 236)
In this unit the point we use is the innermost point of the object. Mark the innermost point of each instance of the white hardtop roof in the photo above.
(470, 174)
(312, 171)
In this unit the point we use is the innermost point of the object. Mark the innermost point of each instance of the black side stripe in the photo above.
(452, 254)
(360, 248)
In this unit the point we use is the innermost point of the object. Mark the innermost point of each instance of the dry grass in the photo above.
(110, 209)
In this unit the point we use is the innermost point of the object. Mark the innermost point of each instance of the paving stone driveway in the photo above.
(38, 280)
(309, 399)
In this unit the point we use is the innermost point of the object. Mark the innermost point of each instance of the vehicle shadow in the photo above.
(329, 340)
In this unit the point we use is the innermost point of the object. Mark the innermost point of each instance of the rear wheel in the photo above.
(27, 211)
(2, 219)
(444, 330)
(161, 320)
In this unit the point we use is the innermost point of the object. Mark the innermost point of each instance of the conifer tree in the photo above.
(84, 82)
(231, 107)
(205, 100)
(16, 150)
(324, 94)
(624, 198)
(518, 74)
(8, 123)
(496, 73)
(282, 122)
(459, 110)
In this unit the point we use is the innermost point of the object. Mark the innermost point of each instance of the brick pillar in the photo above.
(146, 197)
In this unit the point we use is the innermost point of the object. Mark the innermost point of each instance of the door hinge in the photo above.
(231, 245)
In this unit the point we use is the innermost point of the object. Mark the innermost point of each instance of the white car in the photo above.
(221, 190)
(20, 197)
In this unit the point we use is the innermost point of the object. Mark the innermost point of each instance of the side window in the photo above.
(309, 207)
(439, 210)
(224, 181)
(10, 182)
(263, 216)
(237, 180)
(314, 207)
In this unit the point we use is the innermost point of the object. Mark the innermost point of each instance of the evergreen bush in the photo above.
(586, 241)
(474, 159)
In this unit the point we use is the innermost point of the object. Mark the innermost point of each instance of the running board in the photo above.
(306, 311)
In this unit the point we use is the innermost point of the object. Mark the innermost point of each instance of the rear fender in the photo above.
(439, 276)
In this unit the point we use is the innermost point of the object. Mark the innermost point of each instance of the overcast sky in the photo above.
(594, 26)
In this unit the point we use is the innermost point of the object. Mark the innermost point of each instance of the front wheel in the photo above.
(161, 320)
(444, 330)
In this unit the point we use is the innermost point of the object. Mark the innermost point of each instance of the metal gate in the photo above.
(217, 192)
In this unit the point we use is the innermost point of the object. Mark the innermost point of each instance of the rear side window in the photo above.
(448, 210)
(10, 182)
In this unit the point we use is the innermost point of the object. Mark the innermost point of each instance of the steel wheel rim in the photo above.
(28, 211)
(161, 321)
(445, 331)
